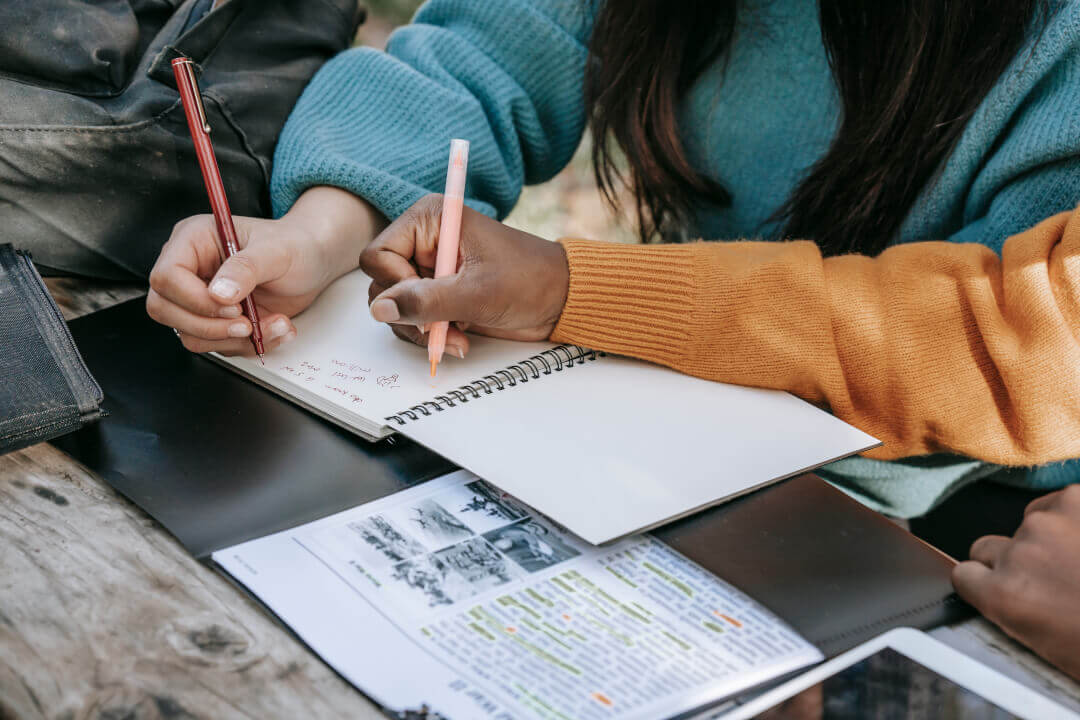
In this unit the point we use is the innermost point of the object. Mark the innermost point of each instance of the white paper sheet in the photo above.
(617, 446)
(453, 595)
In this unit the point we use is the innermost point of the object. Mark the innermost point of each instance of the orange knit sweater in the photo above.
(931, 346)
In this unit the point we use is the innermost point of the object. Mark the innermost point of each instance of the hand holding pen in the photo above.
(195, 112)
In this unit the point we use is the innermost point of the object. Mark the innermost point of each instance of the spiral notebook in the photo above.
(563, 428)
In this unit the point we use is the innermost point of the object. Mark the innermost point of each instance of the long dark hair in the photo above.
(910, 75)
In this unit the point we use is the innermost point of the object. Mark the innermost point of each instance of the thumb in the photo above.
(238, 276)
(425, 300)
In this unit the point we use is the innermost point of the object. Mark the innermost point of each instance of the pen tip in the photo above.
(434, 364)
(261, 360)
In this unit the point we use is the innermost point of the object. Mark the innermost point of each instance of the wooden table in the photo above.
(104, 615)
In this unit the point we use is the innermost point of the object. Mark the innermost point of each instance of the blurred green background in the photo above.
(567, 206)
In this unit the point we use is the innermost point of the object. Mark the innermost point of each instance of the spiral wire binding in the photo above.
(545, 363)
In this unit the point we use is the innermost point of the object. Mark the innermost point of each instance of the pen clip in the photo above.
(189, 68)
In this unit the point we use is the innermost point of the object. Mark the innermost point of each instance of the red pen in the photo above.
(191, 99)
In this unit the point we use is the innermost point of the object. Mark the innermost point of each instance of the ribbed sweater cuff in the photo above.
(628, 299)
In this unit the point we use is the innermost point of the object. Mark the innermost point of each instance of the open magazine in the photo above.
(454, 596)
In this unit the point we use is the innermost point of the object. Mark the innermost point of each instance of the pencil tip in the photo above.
(434, 364)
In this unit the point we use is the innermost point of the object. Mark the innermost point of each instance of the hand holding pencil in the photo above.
(495, 280)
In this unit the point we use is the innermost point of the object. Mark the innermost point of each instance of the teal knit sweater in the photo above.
(507, 75)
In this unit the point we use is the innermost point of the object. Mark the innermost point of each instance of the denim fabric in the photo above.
(96, 164)
(45, 389)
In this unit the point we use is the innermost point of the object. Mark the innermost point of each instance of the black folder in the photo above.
(218, 460)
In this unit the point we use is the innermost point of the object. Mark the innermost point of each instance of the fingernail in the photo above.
(239, 330)
(385, 310)
(421, 327)
(224, 288)
(229, 311)
(456, 350)
(278, 328)
(289, 337)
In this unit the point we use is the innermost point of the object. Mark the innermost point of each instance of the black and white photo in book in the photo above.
(434, 524)
(530, 544)
(383, 537)
(481, 565)
(491, 504)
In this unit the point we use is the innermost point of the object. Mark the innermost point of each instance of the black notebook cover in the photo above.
(218, 460)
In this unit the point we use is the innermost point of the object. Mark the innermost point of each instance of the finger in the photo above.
(256, 264)
(974, 582)
(409, 333)
(407, 244)
(1046, 502)
(423, 301)
(230, 347)
(375, 289)
(171, 314)
(190, 257)
(457, 344)
(988, 550)
(277, 330)
(181, 286)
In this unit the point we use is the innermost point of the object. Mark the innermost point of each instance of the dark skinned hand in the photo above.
(1029, 584)
(509, 284)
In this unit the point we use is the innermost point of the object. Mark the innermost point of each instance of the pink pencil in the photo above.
(446, 257)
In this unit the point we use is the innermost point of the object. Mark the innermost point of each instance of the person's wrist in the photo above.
(558, 285)
(337, 224)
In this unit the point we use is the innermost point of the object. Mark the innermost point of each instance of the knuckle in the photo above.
(193, 344)
(192, 221)
(1037, 524)
(159, 278)
(243, 264)
(1070, 496)
(412, 300)
(431, 204)
(1026, 556)
(426, 301)
(369, 257)
(978, 546)
(153, 305)
(1014, 598)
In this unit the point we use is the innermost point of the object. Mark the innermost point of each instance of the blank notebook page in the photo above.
(615, 446)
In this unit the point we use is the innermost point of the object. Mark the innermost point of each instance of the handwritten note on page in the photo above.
(344, 358)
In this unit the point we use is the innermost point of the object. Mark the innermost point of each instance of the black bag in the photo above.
(96, 164)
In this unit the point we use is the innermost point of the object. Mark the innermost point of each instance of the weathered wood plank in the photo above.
(985, 642)
(79, 296)
(104, 615)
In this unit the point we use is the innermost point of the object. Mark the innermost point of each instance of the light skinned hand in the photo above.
(1029, 584)
(509, 284)
(286, 262)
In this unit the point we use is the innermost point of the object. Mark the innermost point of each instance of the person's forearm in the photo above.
(930, 346)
